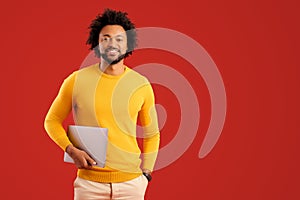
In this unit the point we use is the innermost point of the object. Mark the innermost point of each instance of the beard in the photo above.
(113, 61)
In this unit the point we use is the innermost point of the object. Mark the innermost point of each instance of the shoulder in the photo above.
(89, 69)
(136, 76)
(69, 81)
(85, 72)
(141, 82)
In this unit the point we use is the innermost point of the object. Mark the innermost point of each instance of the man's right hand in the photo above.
(81, 159)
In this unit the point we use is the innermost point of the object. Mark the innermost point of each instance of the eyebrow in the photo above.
(107, 35)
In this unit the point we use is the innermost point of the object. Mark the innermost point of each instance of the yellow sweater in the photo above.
(113, 102)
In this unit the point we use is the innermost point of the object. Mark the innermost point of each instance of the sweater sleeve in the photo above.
(148, 119)
(59, 110)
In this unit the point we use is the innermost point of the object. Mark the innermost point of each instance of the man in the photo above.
(111, 95)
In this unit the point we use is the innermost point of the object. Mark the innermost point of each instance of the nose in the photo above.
(112, 42)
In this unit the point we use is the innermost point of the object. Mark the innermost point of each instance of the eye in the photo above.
(119, 39)
(104, 39)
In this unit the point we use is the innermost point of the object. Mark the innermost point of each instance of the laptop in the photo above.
(92, 140)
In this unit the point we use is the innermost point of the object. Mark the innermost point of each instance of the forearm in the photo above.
(148, 119)
(150, 151)
(56, 132)
(54, 123)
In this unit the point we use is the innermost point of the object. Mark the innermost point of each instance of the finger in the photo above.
(85, 164)
(90, 160)
(80, 163)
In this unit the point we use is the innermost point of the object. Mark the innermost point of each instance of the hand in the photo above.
(147, 171)
(81, 159)
(147, 174)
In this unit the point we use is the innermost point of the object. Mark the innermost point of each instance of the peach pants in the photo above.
(130, 190)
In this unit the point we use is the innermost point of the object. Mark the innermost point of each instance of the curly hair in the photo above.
(112, 17)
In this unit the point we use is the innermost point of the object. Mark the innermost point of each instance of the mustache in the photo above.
(112, 48)
(112, 62)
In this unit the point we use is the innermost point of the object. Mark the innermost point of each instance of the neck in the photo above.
(115, 70)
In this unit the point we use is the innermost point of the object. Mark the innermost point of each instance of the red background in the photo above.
(255, 45)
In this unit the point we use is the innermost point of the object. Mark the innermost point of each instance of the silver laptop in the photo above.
(92, 140)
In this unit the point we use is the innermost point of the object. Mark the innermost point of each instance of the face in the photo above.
(112, 43)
